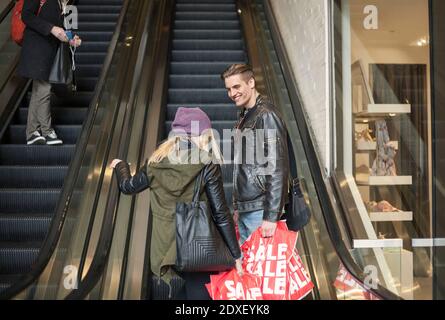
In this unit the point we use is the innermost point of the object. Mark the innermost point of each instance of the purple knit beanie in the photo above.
(191, 121)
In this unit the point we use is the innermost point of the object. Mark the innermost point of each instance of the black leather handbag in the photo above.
(62, 69)
(199, 244)
(297, 212)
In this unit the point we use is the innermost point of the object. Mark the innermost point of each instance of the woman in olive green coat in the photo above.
(170, 174)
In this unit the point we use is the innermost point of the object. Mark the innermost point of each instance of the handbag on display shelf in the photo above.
(199, 244)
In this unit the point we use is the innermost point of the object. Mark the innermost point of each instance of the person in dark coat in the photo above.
(43, 33)
(170, 174)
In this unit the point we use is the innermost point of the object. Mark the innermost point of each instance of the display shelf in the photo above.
(391, 216)
(372, 146)
(384, 180)
(385, 110)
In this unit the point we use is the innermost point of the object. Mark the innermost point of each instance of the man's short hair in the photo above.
(239, 68)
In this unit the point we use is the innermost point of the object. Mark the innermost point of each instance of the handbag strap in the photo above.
(292, 161)
(197, 188)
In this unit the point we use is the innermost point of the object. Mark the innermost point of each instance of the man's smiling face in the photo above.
(241, 92)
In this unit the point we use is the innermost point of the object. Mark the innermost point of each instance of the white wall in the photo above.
(304, 28)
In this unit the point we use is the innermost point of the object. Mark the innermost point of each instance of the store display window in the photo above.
(382, 132)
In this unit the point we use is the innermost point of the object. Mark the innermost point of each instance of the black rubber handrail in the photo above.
(56, 227)
(315, 167)
(6, 10)
(105, 240)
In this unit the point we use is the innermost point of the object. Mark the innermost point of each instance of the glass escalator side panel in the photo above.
(9, 50)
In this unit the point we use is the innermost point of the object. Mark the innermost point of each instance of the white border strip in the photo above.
(432, 242)
(380, 243)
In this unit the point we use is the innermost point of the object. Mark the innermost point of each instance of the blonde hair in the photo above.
(205, 142)
(239, 68)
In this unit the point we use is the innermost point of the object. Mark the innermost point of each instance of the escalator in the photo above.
(206, 39)
(32, 177)
(206, 34)
(176, 52)
(193, 41)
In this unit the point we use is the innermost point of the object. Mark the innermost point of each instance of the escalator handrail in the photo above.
(51, 240)
(315, 167)
(6, 10)
(105, 240)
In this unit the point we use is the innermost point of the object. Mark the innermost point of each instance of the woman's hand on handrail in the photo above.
(114, 163)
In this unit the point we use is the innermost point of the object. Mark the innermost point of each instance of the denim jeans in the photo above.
(248, 222)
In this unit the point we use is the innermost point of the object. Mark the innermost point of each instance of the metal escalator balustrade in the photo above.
(32, 177)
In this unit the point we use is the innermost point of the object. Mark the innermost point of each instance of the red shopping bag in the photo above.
(348, 288)
(231, 286)
(268, 259)
(298, 281)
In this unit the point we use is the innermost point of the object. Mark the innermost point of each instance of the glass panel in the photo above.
(8, 50)
(383, 126)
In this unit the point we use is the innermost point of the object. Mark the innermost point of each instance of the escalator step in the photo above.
(8, 280)
(90, 58)
(205, 1)
(16, 133)
(198, 96)
(207, 24)
(207, 45)
(18, 257)
(36, 176)
(78, 99)
(86, 84)
(207, 34)
(36, 155)
(23, 200)
(207, 55)
(99, 3)
(59, 115)
(95, 36)
(215, 111)
(98, 9)
(93, 46)
(196, 81)
(197, 7)
(75, 100)
(206, 15)
(96, 26)
(199, 67)
(96, 16)
(218, 126)
(24, 226)
(88, 70)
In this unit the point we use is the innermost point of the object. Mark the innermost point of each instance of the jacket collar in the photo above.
(247, 113)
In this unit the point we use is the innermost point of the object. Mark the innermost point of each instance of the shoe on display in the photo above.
(36, 138)
(382, 206)
(363, 169)
(52, 139)
(364, 136)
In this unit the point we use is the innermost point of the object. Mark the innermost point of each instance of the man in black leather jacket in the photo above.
(261, 163)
